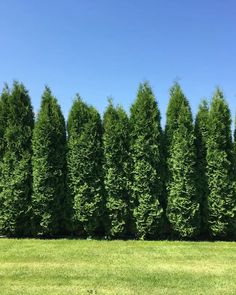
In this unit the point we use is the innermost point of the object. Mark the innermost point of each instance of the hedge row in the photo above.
(117, 177)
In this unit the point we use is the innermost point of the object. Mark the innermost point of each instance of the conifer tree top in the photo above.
(145, 106)
(50, 107)
(176, 102)
(203, 105)
(220, 121)
(80, 114)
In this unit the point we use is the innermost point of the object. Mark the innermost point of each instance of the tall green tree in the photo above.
(177, 99)
(85, 175)
(201, 127)
(117, 170)
(147, 186)
(221, 198)
(183, 204)
(234, 150)
(234, 146)
(4, 110)
(16, 120)
(49, 200)
(4, 101)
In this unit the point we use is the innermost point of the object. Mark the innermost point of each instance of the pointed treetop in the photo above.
(176, 102)
(80, 114)
(145, 94)
(110, 100)
(202, 116)
(177, 97)
(218, 93)
(145, 88)
(6, 89)
(47, 95)
(220, 120)
(219, 103)
(204, 104)
(202, 119)
(49, 99)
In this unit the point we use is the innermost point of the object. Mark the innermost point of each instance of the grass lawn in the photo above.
(117, 267)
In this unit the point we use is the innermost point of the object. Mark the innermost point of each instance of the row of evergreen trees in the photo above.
(120, 177)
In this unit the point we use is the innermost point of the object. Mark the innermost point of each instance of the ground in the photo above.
(118, 267)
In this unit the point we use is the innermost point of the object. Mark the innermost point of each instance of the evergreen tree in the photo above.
(201, 125)
(221, 198)
(234, 151)
(146, 136)
(116, 169)
(177, 99)
(183, 206)
(85, 160)
(4, 110)
(16, 120)
(4, 100)
(49, 201)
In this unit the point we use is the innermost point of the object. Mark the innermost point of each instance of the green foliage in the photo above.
(221, 198)
(183, 206)
(85, 160)
(234, 151)
(147, 189)
(16, 124)
(201, 128)
(116, 169)
(49, 201)
(4, 101)
(177, 99)
(123, 178)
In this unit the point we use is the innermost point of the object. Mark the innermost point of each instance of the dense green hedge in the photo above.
(117, 177)
(183, 200)
(49, 169)
(146, 182)
(16, 119)
(116, 168)
(85, 174)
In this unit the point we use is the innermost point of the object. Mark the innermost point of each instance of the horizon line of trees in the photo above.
(119, 176)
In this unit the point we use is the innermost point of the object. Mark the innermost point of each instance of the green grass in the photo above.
(118, 267)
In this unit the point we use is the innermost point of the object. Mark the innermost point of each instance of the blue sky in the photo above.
(102, 48)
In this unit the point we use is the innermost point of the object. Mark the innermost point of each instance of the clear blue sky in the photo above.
(102, 48)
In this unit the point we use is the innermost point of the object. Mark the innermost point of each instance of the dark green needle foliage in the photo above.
(116, 169)
(4, 101)
(177, 99)
(234, 151)
(221, 198)
(49, 169)
(146, 137)
(16, 124)
(85, 175)
(201, 126)
(183, 206)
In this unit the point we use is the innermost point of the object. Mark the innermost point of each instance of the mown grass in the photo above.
(117, 267)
